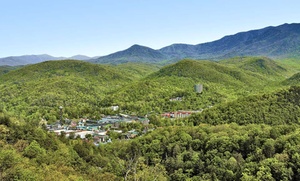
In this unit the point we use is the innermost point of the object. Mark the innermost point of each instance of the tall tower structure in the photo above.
(60, 112)
(198, 88)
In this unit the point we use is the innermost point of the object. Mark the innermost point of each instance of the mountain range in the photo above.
(274, 42)
(33, 59)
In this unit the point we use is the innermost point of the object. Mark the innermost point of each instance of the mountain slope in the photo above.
(38, 90)
(221, 83)
(179, 51)
(206, 71)
(293, 80)
(5, 69)
(281, 107)
(135, 53)
(275, 42)
(262, 65)
(137, 70)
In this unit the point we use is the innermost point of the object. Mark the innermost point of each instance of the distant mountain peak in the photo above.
(80, 57)
(138, 46)
(135, 53)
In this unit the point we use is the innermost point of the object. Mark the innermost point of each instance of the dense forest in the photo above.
(36, 91)
(203, 152)
(274, 109)
(247, 127)
(84, 88)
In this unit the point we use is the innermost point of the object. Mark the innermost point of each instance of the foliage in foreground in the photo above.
(204, 152)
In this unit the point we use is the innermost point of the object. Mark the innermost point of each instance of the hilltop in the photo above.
(261, 65)
(135, 53)
(293, 80)
(61, 69)
(206, 71)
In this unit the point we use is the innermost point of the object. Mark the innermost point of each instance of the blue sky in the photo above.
(101, 27)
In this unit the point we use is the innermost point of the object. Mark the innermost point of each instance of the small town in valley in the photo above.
(100, 130)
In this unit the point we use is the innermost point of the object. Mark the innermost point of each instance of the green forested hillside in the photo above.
(63, 68)
(223, 152)
(28, 152)
(83, 88)
(293, 80)
(5, 69)
(38, 90)
(137, 70)
(248, 130)
(261, 65)
(222, 83)
(275, 109)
